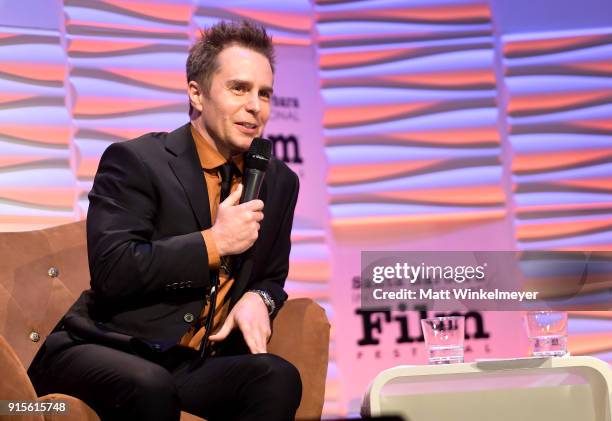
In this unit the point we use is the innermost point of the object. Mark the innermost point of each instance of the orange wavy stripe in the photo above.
(282, 40)
(43, 196)
(594, 66)
(604, 183)
(391, 221)
(9, 161)
(445, 13)
(452, 137)
(592, 314)
(86, 105)
(299, 238)
(102, 46)
(35, 219)
(179, 12)
(163, 78)
(365, 113)
(294, 21)
(342, 174)
(6, 97)
(455, 78)
(589, 343)
(315, 295)
(544, 45)
(449, 195)
(309, 271)
(556, 100)
(549, 160)
(87, 167)
(357, 58)
(57, 135)
(565, 228)
(36, 71)
(603, 124)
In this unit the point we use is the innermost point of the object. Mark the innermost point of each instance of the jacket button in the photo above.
(53, 272)
(34, 336)
(188, 317)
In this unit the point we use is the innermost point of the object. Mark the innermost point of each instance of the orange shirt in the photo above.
(210, 160)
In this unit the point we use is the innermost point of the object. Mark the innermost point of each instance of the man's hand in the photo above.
(250, 315)
(237, 226)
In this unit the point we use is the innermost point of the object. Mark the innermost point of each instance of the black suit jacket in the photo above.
(147, 258)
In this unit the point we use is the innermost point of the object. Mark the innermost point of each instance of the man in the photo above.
(158, 234)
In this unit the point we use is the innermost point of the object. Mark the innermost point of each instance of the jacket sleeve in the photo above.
(277, 265)
(124, 260)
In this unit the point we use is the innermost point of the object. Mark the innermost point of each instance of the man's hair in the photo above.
(202, 61)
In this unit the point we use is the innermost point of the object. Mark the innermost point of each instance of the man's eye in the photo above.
(239, 89)
(265, 94)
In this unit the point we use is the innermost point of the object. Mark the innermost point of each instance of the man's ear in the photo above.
(195, 95)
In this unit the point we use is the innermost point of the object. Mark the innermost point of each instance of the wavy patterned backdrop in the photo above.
(410, 122)
(559, 119)
(426, 115)
(126, 77)
(37, 184)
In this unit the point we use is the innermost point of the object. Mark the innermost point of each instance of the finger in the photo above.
(248, 339)
(254, 344)
(259, 337)
(258, 216)
(254, 205)
(261, 343)
(233, 198)
(224, 331)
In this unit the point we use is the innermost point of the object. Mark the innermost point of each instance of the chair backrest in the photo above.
(41, 274)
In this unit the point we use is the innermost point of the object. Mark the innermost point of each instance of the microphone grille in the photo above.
(259, 154)
(260, 147)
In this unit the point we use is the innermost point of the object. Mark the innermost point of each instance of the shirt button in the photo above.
(188, 317)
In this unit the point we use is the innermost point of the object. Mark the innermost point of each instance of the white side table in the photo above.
(538, 389)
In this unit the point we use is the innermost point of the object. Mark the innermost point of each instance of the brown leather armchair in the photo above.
(42, 273)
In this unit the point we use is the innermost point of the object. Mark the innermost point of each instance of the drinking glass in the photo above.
(547, 332)
(444, 339)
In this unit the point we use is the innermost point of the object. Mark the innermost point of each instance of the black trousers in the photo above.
(119, 385)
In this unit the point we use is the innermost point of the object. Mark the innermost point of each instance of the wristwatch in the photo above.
(267, 299)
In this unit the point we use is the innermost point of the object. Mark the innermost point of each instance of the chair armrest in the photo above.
(15, 382)
(77, 409)
(300, 334)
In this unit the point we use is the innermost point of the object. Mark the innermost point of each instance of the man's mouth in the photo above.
(249, 126)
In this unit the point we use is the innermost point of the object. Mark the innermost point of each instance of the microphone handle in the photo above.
(253, 179)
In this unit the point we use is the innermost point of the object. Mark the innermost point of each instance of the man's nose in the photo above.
(253, 104)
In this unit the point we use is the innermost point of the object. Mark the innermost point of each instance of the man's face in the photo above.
(238, 105)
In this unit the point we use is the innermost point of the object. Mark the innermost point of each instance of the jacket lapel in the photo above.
(185, 165)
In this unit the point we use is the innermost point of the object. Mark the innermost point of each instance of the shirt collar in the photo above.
(210, 158)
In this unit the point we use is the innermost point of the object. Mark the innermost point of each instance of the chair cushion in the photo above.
(18, 386)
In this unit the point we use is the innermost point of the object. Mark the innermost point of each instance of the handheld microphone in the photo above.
(255, 165)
